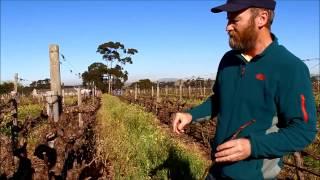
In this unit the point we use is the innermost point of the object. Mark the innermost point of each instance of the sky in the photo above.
(175, 39)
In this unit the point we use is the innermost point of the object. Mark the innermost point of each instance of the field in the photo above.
(120, 138)
(204, 132)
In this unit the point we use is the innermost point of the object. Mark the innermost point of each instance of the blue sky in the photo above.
(175, 39)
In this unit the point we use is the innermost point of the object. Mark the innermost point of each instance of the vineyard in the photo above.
(305, 164)
(84, 134)
(38, 148)
(82, 146)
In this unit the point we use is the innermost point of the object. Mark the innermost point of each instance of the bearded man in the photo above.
(262, 98)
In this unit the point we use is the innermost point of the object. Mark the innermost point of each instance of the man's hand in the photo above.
(180, 120)
(233, 150)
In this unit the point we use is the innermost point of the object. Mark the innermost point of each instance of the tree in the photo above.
(96, 73)
(115, 52)
(143, 84)
(99, 74)
(6, 87)
(41, 84)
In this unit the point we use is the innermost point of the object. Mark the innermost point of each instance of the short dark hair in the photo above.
(255, 13)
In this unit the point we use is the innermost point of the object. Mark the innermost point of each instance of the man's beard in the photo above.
(244, 40)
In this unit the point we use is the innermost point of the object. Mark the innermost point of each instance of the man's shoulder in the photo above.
(286, 58)
(231, 53)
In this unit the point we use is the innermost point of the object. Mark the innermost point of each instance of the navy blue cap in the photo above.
(237, 5)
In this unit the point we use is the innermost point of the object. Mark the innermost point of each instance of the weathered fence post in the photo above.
(166, 89)
(52, 105)
(109, 84)
(16, 82)
(158, 91)
(152, 91)
(14, 97)
(135, 91)
(180, 88)
(79, 105)
(55, 80)
(200, 89)
(93, 92)
(14, 127)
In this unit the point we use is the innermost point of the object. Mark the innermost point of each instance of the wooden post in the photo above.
(189, 91)
(93, 92)
(109, 84)
(180, 88)
(79, 105)
(135, 91)
(166, 90)
(55, 80)
(152, 91)
(16, 82)
(158, 91)
(200, 89)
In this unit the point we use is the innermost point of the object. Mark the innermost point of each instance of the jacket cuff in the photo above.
(253, 146)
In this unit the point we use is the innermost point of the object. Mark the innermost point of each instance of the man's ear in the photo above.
(262, 19)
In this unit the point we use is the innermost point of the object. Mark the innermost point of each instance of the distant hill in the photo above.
(168, 79)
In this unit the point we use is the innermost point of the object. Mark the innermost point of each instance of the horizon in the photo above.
(184, 42)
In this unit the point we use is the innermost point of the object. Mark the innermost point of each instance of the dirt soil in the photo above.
(62, 150)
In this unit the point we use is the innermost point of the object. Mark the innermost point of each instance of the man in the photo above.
(260, 87)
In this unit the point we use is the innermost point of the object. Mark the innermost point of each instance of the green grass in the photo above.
(30, 110)
(70, 100)
(138, 148)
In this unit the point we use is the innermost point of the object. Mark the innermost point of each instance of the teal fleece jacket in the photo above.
(275, 90)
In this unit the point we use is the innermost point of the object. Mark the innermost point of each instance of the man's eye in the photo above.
(233, 21)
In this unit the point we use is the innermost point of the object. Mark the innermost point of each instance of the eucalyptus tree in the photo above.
(116, 53)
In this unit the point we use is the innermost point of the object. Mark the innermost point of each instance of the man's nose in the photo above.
(229, 27)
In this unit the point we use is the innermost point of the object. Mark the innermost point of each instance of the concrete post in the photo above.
(152, 91)
(180, 89)
(135, 91)
(158, 91)
(93, 92)
(52, 105)
(79, 104)
(55, 69)
(55, 80)
(16, 82)
(166, 89)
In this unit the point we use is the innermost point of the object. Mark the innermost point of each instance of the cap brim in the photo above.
(229, 8)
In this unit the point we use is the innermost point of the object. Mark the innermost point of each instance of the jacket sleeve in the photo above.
(209, 108)
(296, 112)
